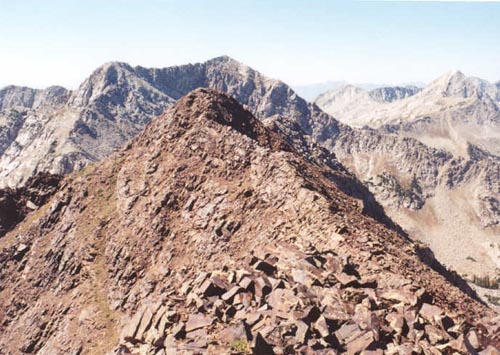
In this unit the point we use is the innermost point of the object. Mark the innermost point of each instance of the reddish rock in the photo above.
(360, 343)
(430, 312)
(197, 321)
(490, 350)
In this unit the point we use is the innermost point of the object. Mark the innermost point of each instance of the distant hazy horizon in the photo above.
(60, 42)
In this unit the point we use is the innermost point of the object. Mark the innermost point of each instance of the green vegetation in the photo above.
(240, 346)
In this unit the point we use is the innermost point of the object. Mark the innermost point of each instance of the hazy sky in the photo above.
(46, 42)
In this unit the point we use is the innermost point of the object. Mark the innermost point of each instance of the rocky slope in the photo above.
(114, 104)
(432, 160)
(208, 234)
(437, 176)
(445, 201)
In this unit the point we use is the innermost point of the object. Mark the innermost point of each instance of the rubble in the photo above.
(295, 317)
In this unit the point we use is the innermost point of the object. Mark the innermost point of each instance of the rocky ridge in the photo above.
(390, 94)
(116, 101)
(151, 250)
(114, 104)
(450, 112)
(431, 184)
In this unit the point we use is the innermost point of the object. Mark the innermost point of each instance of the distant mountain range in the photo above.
(310, 92)
(451, 113)
(430, 157)
(438, 147)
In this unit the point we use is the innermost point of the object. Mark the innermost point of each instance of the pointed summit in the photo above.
(457, 84)
(218, 107)
(223, 58)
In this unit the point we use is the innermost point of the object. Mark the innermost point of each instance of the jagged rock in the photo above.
(178, 331)
(430, 312)
(347, 332)
(360, 343)
(490, 350)
(322, 327)
(262, 287)
(396, 322)
(197, 321)
(265, 267)
(400, 296)
(282, 300)
(129, 331)
(211, 288)
(231, 293)
(146, 318)
(301, 334)
(262, 347)
(435, 335)
(473, 339)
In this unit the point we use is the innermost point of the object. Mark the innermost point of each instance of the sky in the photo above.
(60, 42)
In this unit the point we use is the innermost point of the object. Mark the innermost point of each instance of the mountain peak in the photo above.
(456, 74)
(113, 64)
(452, 76)
(109, 71)
(218, 107)
(224, 59)
(457, 84)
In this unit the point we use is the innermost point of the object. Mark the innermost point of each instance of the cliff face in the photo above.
(211, 233)
(390, 94)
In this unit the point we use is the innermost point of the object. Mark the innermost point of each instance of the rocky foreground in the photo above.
(210, 234)
(287, 301)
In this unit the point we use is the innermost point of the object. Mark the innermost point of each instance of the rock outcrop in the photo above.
(390, 94)
(209, 233)
(15, 204)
